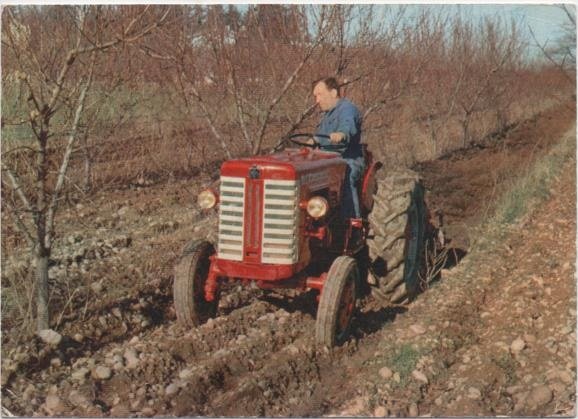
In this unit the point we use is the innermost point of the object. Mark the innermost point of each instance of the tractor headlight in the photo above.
(207, 199)
(317, 207)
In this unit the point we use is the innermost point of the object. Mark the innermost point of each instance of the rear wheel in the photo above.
(337, 302)
(397, 237)
(189, 285)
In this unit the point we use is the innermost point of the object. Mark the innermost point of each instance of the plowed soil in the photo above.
(450, 352)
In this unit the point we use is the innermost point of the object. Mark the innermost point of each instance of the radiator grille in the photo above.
(238, 220)
(231, 215)
(280, 222)
(253, 217)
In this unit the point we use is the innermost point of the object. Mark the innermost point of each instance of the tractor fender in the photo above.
(369, 186)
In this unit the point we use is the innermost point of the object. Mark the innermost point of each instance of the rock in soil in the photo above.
(102, 373)
(54, 404)
(517, 345)
(50, 337)
(80, 374)
(385, 373)
(420, 376)
(539, 396)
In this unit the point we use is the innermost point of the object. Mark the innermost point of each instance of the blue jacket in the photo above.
(345, 118)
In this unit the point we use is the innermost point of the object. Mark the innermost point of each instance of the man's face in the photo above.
(325, 98)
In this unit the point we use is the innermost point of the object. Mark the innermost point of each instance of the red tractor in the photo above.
(279, 227)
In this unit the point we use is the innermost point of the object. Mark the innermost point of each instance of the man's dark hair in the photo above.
(330, 82)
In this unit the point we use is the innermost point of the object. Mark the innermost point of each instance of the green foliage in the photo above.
(403, 361)
(123, 103)
(508, 365)
(533, 187)
(516, 206)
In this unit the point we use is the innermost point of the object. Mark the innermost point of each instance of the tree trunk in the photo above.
(87, 187)
(465, 131)
(42, 308)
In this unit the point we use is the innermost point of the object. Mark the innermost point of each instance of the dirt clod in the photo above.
(54, 405)
(420, 376)
(385, 373)
(539, 396)
(50, 337)
(517, 345)
(102, 373)
(380, 412)
(413, 410)
(80, 374)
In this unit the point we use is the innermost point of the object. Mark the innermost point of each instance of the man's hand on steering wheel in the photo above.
(336, 137)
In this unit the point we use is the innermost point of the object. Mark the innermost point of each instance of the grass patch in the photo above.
(522, 195)
(403, 361)
(533, 187)
(124, 103)
(508, 365)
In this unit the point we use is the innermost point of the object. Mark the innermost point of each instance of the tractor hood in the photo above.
(286, 165)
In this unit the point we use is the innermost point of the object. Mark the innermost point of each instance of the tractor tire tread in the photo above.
(388, 222)
(183, 286)
(327, 312)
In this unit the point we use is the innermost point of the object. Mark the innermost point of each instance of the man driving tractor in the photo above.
(341, 126)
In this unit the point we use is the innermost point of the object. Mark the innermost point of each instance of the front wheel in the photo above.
(189, 285)
(337, 303)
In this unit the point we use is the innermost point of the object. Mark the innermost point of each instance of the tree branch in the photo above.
(288, 83)
(238, 103)
(17, 187)
(67, 153)
(18, 222)
(124, 39)
(302, 116)
(550, 58)
(571, 17)
(208, 118)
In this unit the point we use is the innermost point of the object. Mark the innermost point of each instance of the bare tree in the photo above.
(483, 58)
(236, 71)
(563, 53)
(55, 79)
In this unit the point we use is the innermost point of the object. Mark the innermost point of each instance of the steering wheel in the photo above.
(303, 144)
(328, 147)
